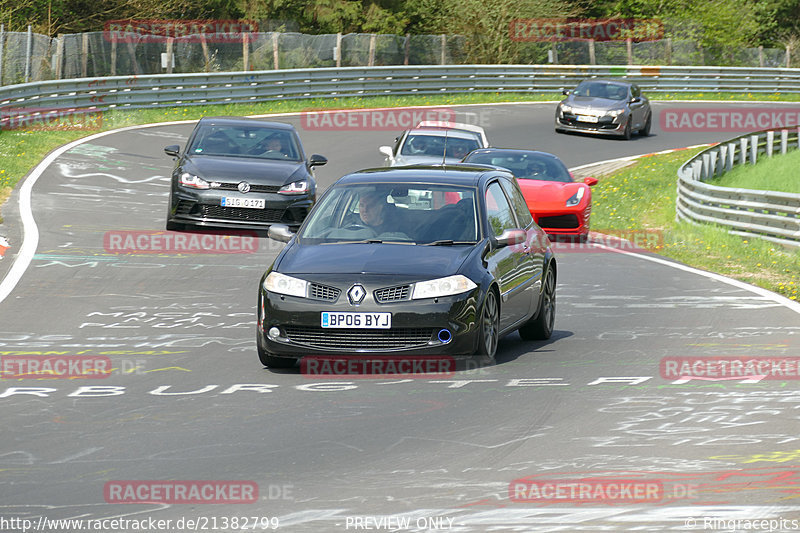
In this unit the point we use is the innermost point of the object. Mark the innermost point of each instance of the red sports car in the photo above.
(558, 203)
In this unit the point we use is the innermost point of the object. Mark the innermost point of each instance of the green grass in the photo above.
(21, 150)
(777, 173)
(638, 197)
(642, 197)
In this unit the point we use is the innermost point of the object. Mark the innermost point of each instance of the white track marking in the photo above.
(764, 293)
(31, 231)
(66, 171)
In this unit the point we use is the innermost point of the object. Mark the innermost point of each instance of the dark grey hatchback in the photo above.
(412, 261)
(241, 173)
(605, 107)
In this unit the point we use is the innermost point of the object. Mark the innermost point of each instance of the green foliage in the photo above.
(721, 27)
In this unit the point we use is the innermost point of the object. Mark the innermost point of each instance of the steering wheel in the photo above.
(355, 226)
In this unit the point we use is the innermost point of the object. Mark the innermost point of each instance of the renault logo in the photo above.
(356, 294)
(243, 187)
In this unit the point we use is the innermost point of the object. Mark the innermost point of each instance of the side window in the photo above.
(498, 211)
(635, 91)
(518, 201)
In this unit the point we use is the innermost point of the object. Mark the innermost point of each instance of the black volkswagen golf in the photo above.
(408, 261)
(241, 173)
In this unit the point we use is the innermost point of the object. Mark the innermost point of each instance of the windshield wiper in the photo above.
(365, 241)
(447, 242)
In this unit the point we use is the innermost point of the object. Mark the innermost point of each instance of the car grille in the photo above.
(392, 294)
(253, 187)
(323, 292)
(359, 339)
(235, 213)
(604, 123)
(559, 222)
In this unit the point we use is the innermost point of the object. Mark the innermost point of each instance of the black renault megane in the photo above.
(417, 260)
(241, 173)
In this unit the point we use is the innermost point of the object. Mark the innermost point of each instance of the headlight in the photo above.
(442, 287)
(283, 284)
(614, 113)
(566, 109)
(297, 187)
(576, 198)
(190, 180)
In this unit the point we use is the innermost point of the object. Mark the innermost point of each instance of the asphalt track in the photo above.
(188, 399)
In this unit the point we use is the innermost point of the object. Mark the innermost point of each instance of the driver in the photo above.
(419, 145)
(459, 150)
(375, 212)
(537, 170)
(272, 146)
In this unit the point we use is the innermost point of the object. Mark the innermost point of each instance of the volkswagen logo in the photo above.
(243, 187)
(356, 294)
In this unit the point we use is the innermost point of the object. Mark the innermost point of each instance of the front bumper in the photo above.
(203, 208)
(415, 327)
(606, 125)
(565, 222)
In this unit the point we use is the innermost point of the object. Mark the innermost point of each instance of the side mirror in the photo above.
(591, 182)
(510, 237)
(635, 100)
(280, 232)
(317, 160)
(565, 92)
(172, 150)
(387, 151)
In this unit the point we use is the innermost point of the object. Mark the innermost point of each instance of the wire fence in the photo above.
(27, 56)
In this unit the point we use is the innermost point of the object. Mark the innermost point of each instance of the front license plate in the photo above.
(357, 320)
(586, 118)
(247, 203)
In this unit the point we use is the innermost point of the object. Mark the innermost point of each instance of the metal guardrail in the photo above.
(770, 215)
(168, 90)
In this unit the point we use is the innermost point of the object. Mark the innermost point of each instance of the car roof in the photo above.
(240, 121)
(613, 82)
(513, 151)
(460, 174)
(442, 132)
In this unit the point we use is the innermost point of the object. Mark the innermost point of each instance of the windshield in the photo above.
(403, 213)
(525, 165)
(246, 141)
(434, 146)
(597, 89)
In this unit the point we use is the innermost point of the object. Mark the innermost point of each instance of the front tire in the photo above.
(541, 327)
(489, 325)
(627, 133)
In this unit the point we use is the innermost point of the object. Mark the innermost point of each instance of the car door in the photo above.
(509, 263)
(531, 260)
(637, 108)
